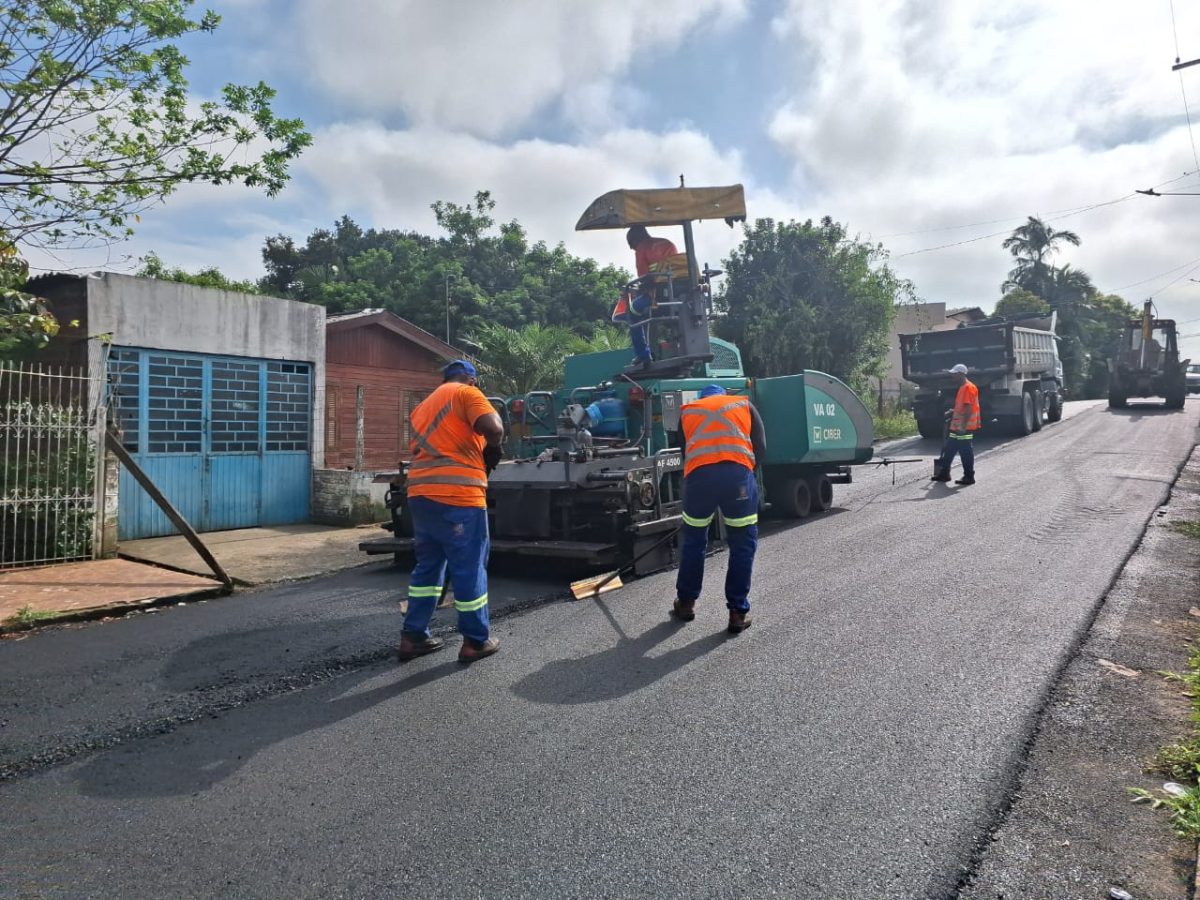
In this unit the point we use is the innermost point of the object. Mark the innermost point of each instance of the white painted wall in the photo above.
(167, 315)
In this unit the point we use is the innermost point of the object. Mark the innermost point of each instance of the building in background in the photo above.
(217, 395)
(378, 367)
(914, 318)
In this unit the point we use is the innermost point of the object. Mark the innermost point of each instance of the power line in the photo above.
(1183, 88)
(1158, 276)
(985, 237)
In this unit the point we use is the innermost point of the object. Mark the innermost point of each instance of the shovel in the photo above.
(602, 584)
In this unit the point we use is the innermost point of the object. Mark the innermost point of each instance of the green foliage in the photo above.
(24, 322)
(487, 274)
(894, 424)
(805, 295)
(1018, 302)
(516, 361)
(1184, 809)
(97, 125)
(1088, 321)
(153, 267)
(1191, 529)
(57, 464)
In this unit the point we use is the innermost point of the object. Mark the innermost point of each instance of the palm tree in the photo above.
(516, 361)
(1031, 244)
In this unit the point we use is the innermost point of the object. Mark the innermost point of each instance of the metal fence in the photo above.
(52, 422)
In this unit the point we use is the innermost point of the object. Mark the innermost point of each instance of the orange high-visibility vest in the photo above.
(447, 461)
(716, 429)
(966, 415)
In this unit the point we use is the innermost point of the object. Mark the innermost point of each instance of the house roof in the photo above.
(396, 325)
(968, 312)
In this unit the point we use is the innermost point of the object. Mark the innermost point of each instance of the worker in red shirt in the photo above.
(965, 420)
(634, 311)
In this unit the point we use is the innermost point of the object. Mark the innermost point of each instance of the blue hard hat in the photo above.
(711, 390)
(459, 367)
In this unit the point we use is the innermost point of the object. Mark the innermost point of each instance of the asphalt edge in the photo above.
(1020, 757)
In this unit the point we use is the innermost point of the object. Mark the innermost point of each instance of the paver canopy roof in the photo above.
(664, 206)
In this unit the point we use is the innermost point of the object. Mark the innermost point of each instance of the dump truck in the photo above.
(1147, 364)
(594, 470)
(1014, 363)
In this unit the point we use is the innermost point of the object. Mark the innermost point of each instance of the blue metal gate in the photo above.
(226, 439)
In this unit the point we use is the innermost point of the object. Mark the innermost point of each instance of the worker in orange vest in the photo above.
(965, 420)
(723, 436)
(634, 311)
(456, 444)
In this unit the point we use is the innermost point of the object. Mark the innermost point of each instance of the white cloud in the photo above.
(488, 68)
(394, 176)
(909, 115)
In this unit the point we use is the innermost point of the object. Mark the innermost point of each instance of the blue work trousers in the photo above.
(455, 537)
(639, 310)
(731, 488)
(964, 446)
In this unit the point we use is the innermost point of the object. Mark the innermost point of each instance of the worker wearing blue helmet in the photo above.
(723, 438)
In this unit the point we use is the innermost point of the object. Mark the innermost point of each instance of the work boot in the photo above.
(739, 621)
(683, 611)
(966, 479)
(472, 650)
(940, 476)
(414, 645)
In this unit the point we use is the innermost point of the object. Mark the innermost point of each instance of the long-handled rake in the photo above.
(602, 584)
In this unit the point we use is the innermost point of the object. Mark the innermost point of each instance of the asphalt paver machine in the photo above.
(593, 472)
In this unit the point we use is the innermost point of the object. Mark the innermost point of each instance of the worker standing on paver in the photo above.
(456, 444)
(634, 311)
(965, 420)
(723, 436)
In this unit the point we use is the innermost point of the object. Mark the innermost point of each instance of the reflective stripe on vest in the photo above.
(713, 433)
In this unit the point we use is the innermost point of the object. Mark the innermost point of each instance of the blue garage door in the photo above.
(227, 440)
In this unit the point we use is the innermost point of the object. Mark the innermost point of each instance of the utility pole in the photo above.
(448, 279)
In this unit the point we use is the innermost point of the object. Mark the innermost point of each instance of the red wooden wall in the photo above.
(395, 375)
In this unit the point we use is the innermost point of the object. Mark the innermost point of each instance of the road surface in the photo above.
(857, 742)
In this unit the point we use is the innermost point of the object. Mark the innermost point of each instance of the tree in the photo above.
(516, 361)
(804, 295)
(491, 274)
(153, 267)
(1017, 303)
(24, 322)
(97, 124)
(1031, 244)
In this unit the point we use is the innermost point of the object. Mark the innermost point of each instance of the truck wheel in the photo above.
(930, 428)
(1175, 399)
(1024, 422)
(1117, 401)
(1054, 409)
(821, 490)
(1037, 409)
(795, 498)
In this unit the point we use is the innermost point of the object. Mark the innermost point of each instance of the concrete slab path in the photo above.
(262, 555)
(27, 595)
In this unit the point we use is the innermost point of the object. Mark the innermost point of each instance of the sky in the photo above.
(933, 127)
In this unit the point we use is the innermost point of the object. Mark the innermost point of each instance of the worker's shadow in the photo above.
(617, 671)
(199, 755)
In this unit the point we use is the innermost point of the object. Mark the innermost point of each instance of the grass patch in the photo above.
(1180, 762)
(896, 425)
(27, 617)
(1191, 529)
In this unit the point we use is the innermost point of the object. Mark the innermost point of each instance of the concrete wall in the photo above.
(342, 497)
(167, 315)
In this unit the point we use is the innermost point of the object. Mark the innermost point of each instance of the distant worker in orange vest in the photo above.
(634, 311)
(456, 444)
(723, 437)
(964, 422)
